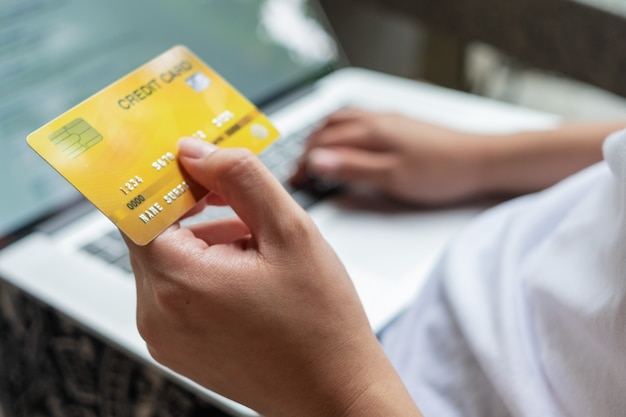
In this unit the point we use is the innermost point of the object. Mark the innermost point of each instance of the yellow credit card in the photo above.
(119, 147)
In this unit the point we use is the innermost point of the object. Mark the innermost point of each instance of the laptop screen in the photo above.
(56, 53)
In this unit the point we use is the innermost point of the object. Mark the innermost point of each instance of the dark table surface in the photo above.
(51, 367)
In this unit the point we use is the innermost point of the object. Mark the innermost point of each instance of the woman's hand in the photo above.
(422, 163)
(409, 160)
(259, 308)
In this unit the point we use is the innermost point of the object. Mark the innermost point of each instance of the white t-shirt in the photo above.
(525, 314)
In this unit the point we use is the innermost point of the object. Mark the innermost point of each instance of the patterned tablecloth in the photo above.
(51, 367)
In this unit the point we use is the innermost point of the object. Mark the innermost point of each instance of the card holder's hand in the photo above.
(259, 308)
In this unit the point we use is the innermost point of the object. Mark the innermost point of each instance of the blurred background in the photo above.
(431, 41)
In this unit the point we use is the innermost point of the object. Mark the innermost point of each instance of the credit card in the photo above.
(119, 147)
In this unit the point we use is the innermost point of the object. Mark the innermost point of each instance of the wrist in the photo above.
(525, 162)
(368, 387)
(512, 164)
(478, 155)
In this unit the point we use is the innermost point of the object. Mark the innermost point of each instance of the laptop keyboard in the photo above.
(279, 158)
(110, 248)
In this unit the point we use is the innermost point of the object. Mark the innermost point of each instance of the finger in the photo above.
(360, 133)
(347, 128)
(133, 263)
(140, 255)
(134, 247)
(244, 183)
(197, 208)
(214, 200)
(346, 135)
(345, 114)
(349, 165)
(211, 199)
(160, 260)
(220, 231)
(299, 175)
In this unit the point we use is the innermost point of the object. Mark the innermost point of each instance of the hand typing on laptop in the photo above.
(260, 309)
(423, 163)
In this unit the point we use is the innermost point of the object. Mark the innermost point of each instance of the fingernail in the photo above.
(323, 162)
(195, 148)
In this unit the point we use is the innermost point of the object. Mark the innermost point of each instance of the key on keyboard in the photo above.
(110, 248)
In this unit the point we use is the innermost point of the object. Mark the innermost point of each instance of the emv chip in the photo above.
(75, 138)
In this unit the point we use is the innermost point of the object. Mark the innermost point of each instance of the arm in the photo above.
(260, 309)
(530, 161)
(424, 163)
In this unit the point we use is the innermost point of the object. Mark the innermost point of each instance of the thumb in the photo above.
(242, 182)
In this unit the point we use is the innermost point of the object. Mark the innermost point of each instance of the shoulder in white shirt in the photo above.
(525, 314)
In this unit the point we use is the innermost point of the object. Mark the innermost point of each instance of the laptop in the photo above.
(282, 55)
